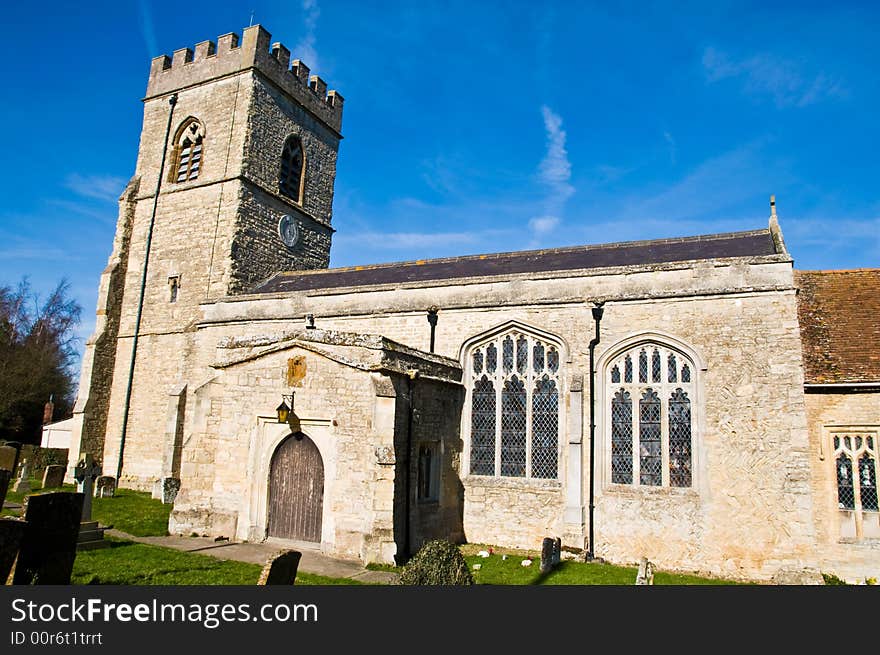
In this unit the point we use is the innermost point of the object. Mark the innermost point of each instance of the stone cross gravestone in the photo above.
(53, 476)
(91, 535)
(23, 484)
(281, 569)
(85, 473)
(646, 572)
(11, 534)
(48, 547)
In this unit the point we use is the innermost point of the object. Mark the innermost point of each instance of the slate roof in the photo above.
(755, 243)
(839, 314)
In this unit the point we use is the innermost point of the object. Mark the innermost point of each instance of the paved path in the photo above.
(313, 561)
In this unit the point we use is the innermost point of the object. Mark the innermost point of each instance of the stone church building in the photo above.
(693, 400)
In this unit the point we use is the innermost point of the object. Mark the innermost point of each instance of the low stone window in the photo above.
(855, 464)
(514, 406)
(650, 431)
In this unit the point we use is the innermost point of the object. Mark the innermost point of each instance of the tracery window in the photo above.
(855, 463)
(187, 154)
(514, 403)
(650, 426)
(855, 456)
(291, 173)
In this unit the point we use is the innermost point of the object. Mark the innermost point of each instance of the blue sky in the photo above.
(476, 127)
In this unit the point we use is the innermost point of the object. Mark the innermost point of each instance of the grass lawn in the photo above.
(134, 512)
(497, 571)
(129, 563)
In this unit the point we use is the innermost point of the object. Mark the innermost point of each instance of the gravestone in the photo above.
(170, 487)
(646, 572)
(105, 486)
(281, 569)
(23, 484)
(91, 535)
(11, 533)
(8, 455)
(48, 547)
(4, 484)
(84, 473)
(551, 554)
(53, 476)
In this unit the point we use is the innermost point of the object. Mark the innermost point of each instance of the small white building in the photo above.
(57, 434)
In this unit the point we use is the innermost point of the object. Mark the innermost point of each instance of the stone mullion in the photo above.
(499, 387)
(636, 396)
(665, 395)
(857, 486)
(529, 379)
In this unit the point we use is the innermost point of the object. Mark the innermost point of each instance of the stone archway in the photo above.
(296, 490)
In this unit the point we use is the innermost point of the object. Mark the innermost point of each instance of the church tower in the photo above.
(234, 182)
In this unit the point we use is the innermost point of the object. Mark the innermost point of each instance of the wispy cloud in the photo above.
(147, 30)
(670, 143)
(543, 224)
(555, 169)
(305, 49)
(100, 187)
(554, 172)
(786, 81)
(408, 240)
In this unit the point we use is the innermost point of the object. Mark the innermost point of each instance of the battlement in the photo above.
(187, 67)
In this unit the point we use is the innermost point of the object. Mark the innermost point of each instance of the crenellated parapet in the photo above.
(208, 61)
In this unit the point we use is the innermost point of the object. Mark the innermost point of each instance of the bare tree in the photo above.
(38, 357)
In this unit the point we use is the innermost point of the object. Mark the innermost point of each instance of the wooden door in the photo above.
(296, 490)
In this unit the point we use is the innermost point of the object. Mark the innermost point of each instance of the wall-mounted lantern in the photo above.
(286, 414)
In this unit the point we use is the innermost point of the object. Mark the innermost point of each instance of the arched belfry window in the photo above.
(290, 178)
(513, 389)
(650, 391)
(187, 155)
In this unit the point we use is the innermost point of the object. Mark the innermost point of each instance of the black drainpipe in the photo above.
(137, 322)
(432, 320)
(597, 317)
(411, 375)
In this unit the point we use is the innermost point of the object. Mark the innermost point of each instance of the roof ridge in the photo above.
(526, 253)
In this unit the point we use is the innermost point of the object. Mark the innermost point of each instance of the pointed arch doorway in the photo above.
(296, 490)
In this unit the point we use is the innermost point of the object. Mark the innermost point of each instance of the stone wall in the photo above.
(750, 509)
(830, 411)
(358, 421)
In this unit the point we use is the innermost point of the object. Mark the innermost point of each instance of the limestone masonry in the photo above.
(366, 410)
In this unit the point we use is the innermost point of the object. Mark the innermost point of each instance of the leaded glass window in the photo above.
(650, 458)
(515, 407)
(513, 429)
(290, 176)
(651, 444)
(483, 427)
(545, 428)
(621, 438)
(855, 460)
(679, 439)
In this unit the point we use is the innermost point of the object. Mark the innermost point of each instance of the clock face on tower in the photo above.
(288, 230)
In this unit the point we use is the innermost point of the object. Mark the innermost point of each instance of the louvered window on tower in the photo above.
(291, 174)
(514, 407)
(188, 151)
